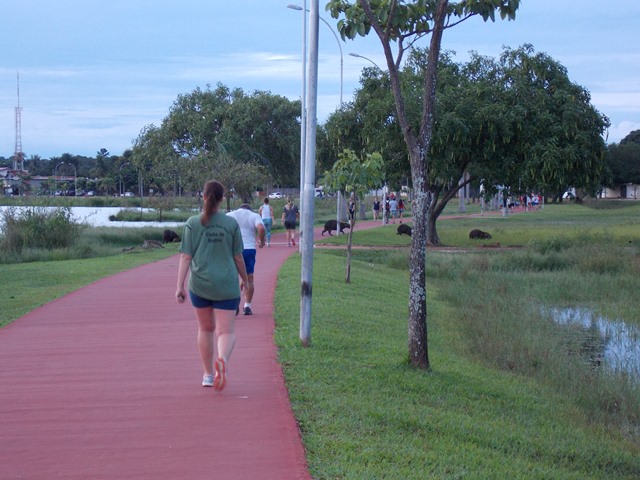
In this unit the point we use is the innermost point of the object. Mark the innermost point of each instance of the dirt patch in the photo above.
(441, 249)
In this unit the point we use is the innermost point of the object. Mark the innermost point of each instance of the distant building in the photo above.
(19, 182)
(628, 190)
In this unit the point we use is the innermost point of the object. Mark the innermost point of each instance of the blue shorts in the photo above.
(199, 302)
(249, 255)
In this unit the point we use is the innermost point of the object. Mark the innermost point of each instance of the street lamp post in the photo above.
(307, 193)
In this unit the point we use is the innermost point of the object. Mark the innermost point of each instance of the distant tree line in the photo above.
(516, 121)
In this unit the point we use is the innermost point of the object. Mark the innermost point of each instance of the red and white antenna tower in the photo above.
(18, 157)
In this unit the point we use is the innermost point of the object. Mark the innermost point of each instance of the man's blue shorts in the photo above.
(199, 302)
(249, 255)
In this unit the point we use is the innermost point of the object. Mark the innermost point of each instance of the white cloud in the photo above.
(621, 130)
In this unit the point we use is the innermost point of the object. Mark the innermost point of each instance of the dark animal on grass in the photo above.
(404, 229)
(476, 234)
(330, 225)
(169, 236)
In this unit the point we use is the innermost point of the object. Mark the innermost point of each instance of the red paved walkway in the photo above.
(104, 383)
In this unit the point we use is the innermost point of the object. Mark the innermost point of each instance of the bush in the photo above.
(38, 228)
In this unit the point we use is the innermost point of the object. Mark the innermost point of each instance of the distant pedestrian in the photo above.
(290, 216)
(376, 208)
(352, 210)
(250, 226)
(211, 250)
(400, 208)
(266, 213)
(393, 208)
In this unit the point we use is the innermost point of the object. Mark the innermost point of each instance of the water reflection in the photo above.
(612, 343)
(99, 217)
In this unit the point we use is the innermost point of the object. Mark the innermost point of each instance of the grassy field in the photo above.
(509, 394)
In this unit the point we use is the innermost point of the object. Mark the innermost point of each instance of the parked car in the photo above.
(276, 195)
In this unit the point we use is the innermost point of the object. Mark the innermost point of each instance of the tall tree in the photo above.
(517, 121)
(208, 127)
(558, 138)
(401, 24)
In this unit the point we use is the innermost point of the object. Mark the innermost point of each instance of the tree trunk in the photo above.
(418, 346)
(432, 233)
(349, 238)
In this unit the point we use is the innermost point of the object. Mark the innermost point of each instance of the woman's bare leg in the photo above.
(225, 329)
(206, 327)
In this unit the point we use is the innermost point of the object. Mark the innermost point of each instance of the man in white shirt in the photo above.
(251, 226)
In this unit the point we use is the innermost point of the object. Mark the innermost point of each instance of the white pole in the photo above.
(303, 118)
(306, 289)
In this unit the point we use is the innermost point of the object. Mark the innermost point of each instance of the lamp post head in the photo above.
(357, 55)
(294, 7)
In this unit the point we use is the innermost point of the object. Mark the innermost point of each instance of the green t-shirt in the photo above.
(214, 275)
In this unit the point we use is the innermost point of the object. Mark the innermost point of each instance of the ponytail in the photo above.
(213, 193)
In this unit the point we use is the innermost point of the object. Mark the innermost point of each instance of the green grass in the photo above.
(364, 413)
(506, 397)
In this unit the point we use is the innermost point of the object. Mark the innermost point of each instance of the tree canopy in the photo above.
(516, 121)
(247, 139)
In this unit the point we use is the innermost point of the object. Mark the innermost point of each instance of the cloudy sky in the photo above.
(93, 73)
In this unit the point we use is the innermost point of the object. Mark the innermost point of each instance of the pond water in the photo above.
(99, 217)
(612, 343)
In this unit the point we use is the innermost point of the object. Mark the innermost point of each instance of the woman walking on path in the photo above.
(211, 249)
(266, 212)
(290, 216)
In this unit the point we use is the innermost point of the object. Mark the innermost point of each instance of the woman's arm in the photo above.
(183, 269)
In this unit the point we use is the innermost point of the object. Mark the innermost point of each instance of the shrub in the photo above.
(38, 228)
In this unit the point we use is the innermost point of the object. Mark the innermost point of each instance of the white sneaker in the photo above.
(207, 380)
